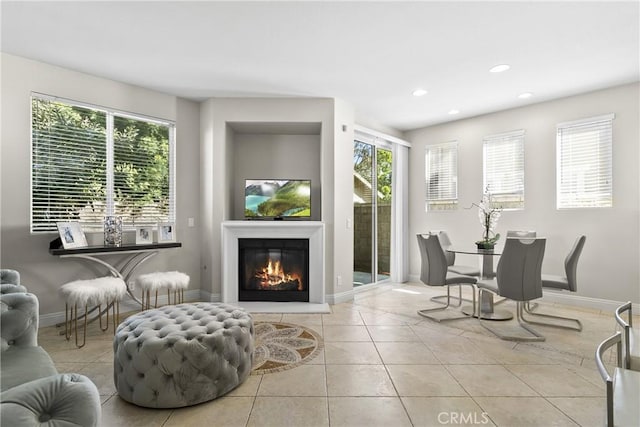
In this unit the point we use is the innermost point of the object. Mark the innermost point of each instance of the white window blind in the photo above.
(89, 162)
(584, 163)
(441, 169)
(503, 158)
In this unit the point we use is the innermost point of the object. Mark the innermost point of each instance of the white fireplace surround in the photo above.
(234, 230)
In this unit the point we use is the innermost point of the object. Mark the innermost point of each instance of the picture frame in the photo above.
(71, 235)
(144, 235)
(166, 232)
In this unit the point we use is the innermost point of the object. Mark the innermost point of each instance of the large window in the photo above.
(441, 167)
(89, 162)
(503, 157)
(584, 163)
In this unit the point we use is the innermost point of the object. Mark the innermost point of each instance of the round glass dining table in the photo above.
(486, 273)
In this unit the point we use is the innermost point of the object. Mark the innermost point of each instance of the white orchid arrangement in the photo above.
(488, 214)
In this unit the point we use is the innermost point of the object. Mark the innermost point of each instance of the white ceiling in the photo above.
(370, 54)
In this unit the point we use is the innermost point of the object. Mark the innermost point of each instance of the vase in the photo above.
(485, 245)
(113, 230)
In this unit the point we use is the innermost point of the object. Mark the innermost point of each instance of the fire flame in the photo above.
(273, 274)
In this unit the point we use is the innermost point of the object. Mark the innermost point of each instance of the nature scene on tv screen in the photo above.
(277, 198)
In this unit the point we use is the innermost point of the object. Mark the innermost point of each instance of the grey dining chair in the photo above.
(518, 278)
(567, 282)
(434, 272)
(445, 242)
(521, 233)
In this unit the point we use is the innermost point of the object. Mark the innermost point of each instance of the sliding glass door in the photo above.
(372, 177)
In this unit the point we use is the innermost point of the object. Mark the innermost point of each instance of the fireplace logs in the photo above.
(273, 277)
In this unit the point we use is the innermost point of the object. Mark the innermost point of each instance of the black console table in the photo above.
(135, 255)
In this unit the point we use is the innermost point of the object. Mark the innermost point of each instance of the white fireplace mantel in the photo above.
(234, 230)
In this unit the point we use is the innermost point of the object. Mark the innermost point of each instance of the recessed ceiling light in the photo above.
(453, 111)
(419, 92)
(499, 68)
(525, 95)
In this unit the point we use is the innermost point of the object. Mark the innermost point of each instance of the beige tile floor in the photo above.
(383, 365)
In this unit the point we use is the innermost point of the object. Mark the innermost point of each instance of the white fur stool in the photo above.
(172, 281)
(91, 292)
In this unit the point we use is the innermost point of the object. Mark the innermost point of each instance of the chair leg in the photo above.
(535, 336)
(529, 310)
(460, 299)
(424, 312)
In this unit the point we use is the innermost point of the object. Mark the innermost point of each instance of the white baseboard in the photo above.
(209, 297)
(606, 306)
(340, 297)
(571, 299)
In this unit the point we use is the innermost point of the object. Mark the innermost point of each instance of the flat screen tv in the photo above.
(277, 198)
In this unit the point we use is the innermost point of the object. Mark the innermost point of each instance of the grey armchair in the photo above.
(9, 276)
(518, 278)
(434, 272)
(568, 282)
(32, 392)
(10, 281)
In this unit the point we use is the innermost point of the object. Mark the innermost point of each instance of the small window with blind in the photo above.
(503, 158)
(89, 162)
(441, 162)
(584, 163)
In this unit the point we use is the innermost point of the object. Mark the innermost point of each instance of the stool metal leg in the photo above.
(100, 317)
(84, 335)
(68, 319)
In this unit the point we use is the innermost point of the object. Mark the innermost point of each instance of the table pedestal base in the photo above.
(486, 308)
(491, 315)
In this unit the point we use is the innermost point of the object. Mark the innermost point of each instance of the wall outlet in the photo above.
(339, 280)
(348, 223)
(191, 222)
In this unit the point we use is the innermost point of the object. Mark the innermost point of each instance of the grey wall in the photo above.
(218, 185)
(608, 268)
(19, 249)
(267, 156)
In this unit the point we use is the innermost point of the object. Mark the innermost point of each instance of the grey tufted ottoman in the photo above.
(182, 355)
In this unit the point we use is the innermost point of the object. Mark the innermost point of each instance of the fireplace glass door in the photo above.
(273, 270)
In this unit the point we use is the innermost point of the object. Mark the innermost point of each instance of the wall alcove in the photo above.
(278, 151)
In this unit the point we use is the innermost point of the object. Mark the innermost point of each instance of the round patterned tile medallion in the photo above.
(280, 346)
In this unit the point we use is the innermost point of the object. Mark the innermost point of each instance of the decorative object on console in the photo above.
(488, 214)
(71, 235)
(144, 235)
(166, 232)
(112, 230)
